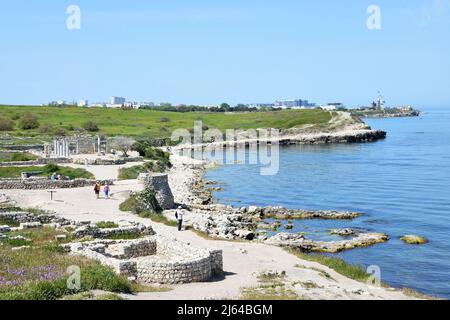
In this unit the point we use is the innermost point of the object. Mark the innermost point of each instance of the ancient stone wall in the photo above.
(154, 259)
(43, 183)
(107, 162)
(36, 162)
(159, 185)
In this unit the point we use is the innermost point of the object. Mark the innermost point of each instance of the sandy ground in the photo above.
(242, 261)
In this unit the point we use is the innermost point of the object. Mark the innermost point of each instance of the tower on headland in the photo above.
(380, 102)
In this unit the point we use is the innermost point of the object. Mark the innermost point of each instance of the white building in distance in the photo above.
(83, 103)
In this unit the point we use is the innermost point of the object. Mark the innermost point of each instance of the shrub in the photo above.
(28, 121)
(90, 126)
(100, 277)
(60, 132)
(140, 203)
(46, 128)
(131, 172)
(132, 205)
(6, 124)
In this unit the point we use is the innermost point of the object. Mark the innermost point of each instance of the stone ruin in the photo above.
(153, 259)
(148, 259)
(158, 183)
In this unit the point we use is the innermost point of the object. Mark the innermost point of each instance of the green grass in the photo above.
(134, 206)
(40, 272)
(272, 286)
(125, 236)
(41, 236)
(16, 156)
(352, 271)
(106, 225)
(131, 172)
(15, 242)
(14, 172)
(146, 123)
(8, 222)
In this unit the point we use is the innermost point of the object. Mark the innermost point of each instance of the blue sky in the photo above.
(207, 52)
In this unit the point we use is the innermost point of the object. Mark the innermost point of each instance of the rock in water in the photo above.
(413, 239)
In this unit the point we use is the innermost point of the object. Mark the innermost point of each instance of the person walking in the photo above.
(106, 191)
(97, 189)
(179, 215)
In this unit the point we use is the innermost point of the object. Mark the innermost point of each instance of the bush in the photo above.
(46, 128)
(60, 132)
(140, 203)
(28, 121)
(90, 126)
(6, 124)
(131, 172)
(100, 277)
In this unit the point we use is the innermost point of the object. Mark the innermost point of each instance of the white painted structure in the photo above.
(61, 148)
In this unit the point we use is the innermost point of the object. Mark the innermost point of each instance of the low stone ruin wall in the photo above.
(96, 232)
(107, 162)
(185, 265)
(154, 259)
(43, 183)
(25, 147)
(37, 162)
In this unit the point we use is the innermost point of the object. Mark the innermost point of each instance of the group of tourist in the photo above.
(55, 177)
(98, 188)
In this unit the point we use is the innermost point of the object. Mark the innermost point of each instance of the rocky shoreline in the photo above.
(249, 223)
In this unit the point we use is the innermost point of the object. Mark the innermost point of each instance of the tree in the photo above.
(90, 126)
(123, 144)
(225, 106)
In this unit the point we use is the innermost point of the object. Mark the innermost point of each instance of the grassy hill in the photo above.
(152, 123)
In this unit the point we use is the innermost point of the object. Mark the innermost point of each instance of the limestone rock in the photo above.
(343, 232)
(30, 225)
(5, 228)
(413, 239)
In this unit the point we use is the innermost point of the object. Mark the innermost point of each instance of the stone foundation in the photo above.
(107, 162)
(154, 259)
(44, 183)
(35, 162)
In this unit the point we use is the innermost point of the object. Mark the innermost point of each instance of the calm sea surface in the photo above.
(402, 184)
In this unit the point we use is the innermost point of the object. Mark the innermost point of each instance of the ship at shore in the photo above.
(378, 109)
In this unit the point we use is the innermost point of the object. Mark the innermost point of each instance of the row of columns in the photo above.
(61, 148)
